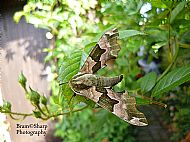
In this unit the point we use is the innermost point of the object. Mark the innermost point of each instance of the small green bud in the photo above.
(43, 100)
(22, 80)
(1, 108)
(37, 114)
(7, 106)
(34, 96)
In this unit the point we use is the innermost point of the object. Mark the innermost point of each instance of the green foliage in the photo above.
(71, 65)
(129, 33)
(163, 31)
(94, 125)
(177, 10)
(148, 81)
(182, 117)
(179, 101)
(37, 114)
(43, 100)
(172, 79)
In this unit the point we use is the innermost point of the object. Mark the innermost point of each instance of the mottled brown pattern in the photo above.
(106, 102)
(120, 104)
(96, 53)
(98, 88)
(94, 80)
(96, 67)
(126, 108)
(106, 49)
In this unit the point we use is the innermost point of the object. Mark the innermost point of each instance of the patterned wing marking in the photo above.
(126, 109)
(106, 49)
(135, 116)
(105, 101)
(120, 104)
(96, 53)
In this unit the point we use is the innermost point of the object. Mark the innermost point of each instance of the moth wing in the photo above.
(122, 105)
(135, 116)
(105, 50)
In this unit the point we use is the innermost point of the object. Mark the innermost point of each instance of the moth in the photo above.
(99, 88)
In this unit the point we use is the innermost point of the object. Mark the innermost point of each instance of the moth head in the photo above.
(84, 79)
(77, 83)
(77, 79)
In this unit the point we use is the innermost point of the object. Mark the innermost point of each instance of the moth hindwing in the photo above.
(99, 88)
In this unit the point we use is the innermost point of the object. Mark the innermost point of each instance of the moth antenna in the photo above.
(72, 98)
(63, 83)
(154, 102)
(159, 103)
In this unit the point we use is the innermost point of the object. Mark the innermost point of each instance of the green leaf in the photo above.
(17, 16)
(71, 66)
(177, 10)
(68, 69)
(129, 33)
(171, 80)
(158, 4)
(148, 81)
(88, 47)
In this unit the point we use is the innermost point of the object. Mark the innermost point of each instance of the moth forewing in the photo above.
(135, 116)
(106, 49)
(119, 104)
(126, 108)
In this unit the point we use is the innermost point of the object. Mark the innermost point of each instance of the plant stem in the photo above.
(17, 113)
(47, 109)
(39, 108)
(171, 64)
(66, 113)
(47, 117)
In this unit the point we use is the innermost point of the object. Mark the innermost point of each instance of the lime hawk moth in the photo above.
(99, 88)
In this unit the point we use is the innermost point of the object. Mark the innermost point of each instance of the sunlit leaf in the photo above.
(68, 69)
(129, 33)
(17, 16)
(172, 79)
(177, 10)
(70, 66)
(158, 3)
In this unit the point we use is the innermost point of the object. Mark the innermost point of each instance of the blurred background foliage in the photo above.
(154, 59)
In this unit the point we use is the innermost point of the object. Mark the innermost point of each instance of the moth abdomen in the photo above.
(109, 81)
(87, 80)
